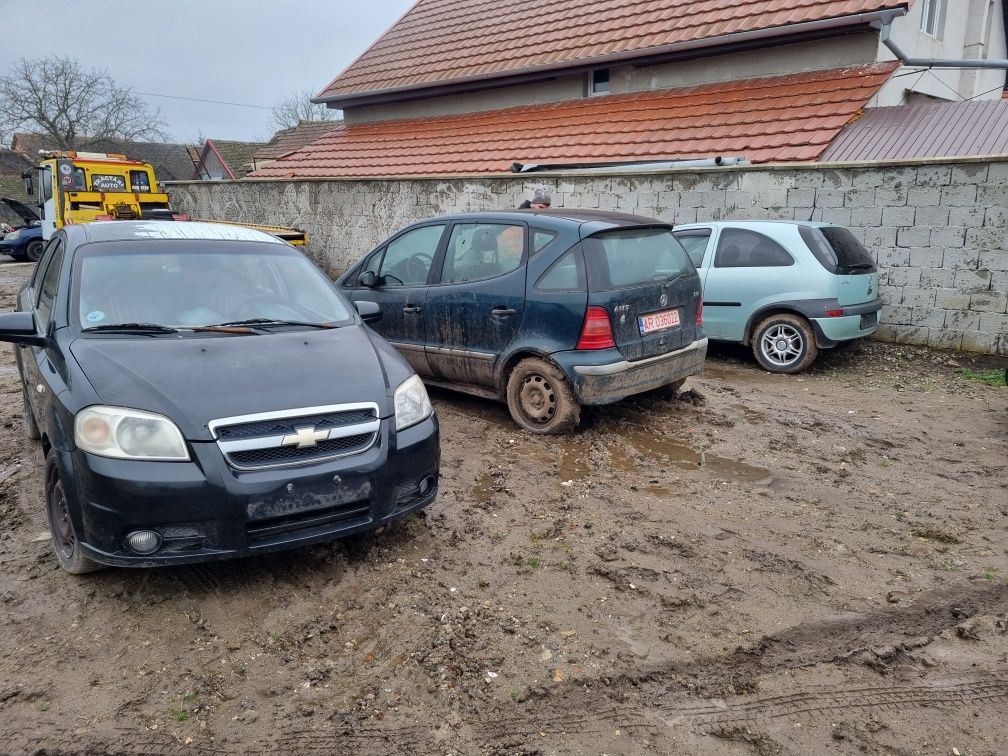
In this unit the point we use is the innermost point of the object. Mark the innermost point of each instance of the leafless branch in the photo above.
(291, 111)
(73, 106)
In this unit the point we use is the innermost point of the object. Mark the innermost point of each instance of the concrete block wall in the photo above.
(938, 230)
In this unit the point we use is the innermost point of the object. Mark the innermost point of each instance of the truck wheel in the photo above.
(540, 399)
(34, 250)
(31, 428)
(784, 343)
(61, 529)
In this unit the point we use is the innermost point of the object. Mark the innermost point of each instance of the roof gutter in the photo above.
(885, 26)
(675, 50)
(650, 165)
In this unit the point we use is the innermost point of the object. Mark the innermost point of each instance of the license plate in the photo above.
(869, 320)
(658, 321)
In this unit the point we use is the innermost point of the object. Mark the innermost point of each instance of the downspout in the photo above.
(885, 26)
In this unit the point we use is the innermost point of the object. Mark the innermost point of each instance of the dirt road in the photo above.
(763, 565)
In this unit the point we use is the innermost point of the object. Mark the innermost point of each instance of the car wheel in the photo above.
(34, 250)
(540, 399)
(31, 428)
(784, 344)
(61, 529)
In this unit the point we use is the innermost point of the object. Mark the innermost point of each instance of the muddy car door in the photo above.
(477, 305)
(644, 279)
(396, 278)
(36, 361)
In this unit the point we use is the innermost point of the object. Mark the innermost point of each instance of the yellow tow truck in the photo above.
(83, 187)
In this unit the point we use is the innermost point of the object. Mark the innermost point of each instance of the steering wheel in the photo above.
(420, 264)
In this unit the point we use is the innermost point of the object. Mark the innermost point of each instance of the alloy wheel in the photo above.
(782, 345)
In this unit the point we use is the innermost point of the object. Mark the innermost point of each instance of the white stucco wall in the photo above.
(965, 24)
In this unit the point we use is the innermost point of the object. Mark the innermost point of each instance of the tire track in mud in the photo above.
(662, 694)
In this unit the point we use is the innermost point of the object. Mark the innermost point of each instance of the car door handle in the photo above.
(503, 312)
(411, 310)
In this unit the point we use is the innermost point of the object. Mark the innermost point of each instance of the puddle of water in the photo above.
(686, 458)
(483, 492)
(573, 462)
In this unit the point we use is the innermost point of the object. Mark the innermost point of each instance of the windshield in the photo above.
(192, 284)
(635, 256)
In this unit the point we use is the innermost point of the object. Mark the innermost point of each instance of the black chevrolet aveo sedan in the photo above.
(204, 392)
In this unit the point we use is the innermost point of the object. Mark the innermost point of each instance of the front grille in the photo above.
(279, 455)
(346, 515)
(869, 320)
(286, 426)
(297, 437)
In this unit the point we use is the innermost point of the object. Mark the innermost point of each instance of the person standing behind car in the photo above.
(541, 200)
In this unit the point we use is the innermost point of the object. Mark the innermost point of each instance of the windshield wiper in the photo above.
(144, 328)
(265, 322)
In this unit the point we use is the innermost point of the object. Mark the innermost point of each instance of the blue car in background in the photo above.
(25, 241)
(548, 310)
(786, 289)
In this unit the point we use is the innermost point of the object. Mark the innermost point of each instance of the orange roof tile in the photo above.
(442, 41)
(771, 119)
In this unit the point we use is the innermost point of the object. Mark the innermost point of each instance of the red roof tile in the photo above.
(770, 119)
(441, 41)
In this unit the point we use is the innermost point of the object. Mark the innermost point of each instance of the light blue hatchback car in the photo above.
(788, 289)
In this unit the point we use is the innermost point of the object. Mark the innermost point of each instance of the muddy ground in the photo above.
(764, 565)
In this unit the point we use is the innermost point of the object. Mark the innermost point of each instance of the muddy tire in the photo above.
(61, 529)
(540, 399)
(784, 343)
(31, 429)
(34, 250)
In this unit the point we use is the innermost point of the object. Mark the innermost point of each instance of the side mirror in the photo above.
(29, 184)
(19, 328)
(370, 312)
(367, 279)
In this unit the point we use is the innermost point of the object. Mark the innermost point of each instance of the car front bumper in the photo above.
(205, 510)
(611, 381)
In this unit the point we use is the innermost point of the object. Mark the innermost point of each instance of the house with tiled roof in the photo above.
(222, 159)
(457, 87)
(290, 140)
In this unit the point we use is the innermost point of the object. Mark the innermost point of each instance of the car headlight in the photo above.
(13, 235)
(412, 405)
(129, 434)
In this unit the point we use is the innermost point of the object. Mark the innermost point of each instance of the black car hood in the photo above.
(21, 210)
(194, 380)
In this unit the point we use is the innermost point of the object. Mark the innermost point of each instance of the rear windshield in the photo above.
(838, 250)
(631, 257)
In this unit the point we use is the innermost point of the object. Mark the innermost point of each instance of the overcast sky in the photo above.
(253, 52)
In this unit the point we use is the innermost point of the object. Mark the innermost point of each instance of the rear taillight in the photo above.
(699, 313)
(834, 313)
(596, 333)
(180, 217)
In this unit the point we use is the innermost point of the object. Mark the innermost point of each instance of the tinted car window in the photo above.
(482, 250)
(635, 256)
(851, 255)
(566, 274)
(47, 290)
(408, 259)
(741, 248)
(200, 284)
(820, 248)
(42, 265)
(695, 243)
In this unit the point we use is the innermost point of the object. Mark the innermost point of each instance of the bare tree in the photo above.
(73, 106)
(291, 111)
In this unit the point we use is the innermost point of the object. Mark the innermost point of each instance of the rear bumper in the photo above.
(831, 331)
(612, 381)
(204, 510)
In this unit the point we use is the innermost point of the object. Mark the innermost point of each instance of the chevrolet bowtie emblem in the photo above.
(304, 438)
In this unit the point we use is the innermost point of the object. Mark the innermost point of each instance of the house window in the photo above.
(600, 81)
(933, 17)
